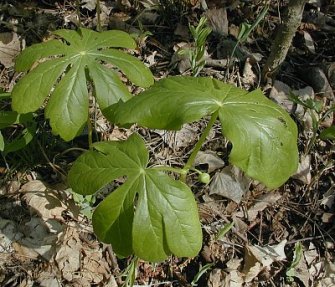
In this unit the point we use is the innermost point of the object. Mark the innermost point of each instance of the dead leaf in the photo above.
(279, 93)
(210, 158)
(329, 277)
(33, 186)
(181, 138)
(309, 42)
(262, 202)
(215, 278)
(328, 199)
(218, 21)
(301, 272)
(89, 4)
(233, 279)
(10, 47)
(24, 251)
(230, 183)
(258, 258)
(68, 255)
(48, 204)
(304, 170)
(249, 77)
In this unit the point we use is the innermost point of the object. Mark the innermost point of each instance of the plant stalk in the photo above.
(198, 146)
(98, 9)
(89, 133)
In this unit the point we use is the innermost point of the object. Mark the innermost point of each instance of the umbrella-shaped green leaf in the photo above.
(62, 68)
(150, 215)
(263, 135)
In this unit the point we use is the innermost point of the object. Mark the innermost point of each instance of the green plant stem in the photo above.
(198, 146)
(98, 16)
(168, 168)
(89, 133)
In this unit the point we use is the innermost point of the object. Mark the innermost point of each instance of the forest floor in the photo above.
(252, 236)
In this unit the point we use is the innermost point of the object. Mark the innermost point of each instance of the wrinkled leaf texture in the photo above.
(150, 215)
(62, 68)
(263, 135)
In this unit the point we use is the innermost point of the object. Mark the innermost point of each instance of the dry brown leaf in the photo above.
(304, 170)
(68, 255)
(233, 279)
(229, 183)
(262, 202)
(10, 47)
(329, 277)
(249, 77)
(33, 186)
(210, 158)
(89, 4)
(258, 258)
(94, 268)
(218, 21)
(328, 199)
(179, 139)
(48, 204)
(301, 272)
(25, 252)
(309, 42)
(215, 278)
(279, 93)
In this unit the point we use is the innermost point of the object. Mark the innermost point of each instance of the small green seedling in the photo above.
(196, 54)
(298, 253)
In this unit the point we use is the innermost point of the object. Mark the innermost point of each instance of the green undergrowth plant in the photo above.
(196, 54)
(318, 113)
(153, 215)
(20, 128)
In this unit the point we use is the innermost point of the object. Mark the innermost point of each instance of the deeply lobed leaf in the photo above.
(60, 68)
(263, 135)
(165, 220)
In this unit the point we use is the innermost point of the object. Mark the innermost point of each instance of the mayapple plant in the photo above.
(151, 215)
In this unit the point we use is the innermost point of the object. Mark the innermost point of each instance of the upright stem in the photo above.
(198, 146)
(98, 16)
(89, 133)
(284, 37)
